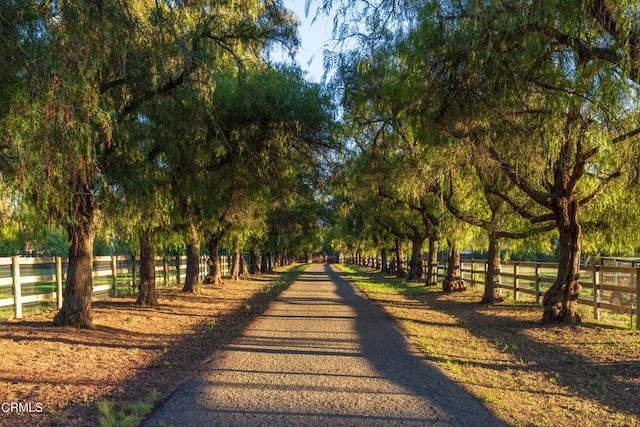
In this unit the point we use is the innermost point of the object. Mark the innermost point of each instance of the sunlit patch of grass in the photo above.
(125, 414)
(377, 282)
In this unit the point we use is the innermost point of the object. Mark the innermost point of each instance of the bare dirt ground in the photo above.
(525, 372)
(57, 375)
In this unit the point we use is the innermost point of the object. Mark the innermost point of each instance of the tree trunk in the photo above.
(385, 262)
(561, 300)
(416, 271)
(254, 267)
(193, 261)
(235, 264)
(453, 282)
(432, 265)
(453, 262)
(492, 278)
(401, 272)
(148, 295)
(76, 307)
(244, 268)
(264, 263)
(215, 271)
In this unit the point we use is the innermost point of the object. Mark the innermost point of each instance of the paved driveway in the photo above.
(321, 355)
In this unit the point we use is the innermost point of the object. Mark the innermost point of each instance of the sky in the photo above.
(313, 37)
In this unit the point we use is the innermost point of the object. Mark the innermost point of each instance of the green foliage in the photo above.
(252, 146)
(11, 241)
(489, 103)
(96, 78)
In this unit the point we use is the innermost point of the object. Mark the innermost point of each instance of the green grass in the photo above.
(377, 282)
(124, 287)
(125, 415)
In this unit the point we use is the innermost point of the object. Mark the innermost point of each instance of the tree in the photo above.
(477, 194)
(547, 106)
(138, 204)
(97, 65)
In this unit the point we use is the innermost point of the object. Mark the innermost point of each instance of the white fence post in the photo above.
(59, 282)
(17, 288)
(595, 280)
(516, 282)
(538, 283)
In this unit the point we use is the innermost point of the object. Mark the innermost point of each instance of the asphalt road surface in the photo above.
(321, 355)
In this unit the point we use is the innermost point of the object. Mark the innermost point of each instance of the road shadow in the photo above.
(281, 373)
(389, 352)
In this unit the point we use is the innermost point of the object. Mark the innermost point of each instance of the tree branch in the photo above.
(626, 136)
(537, 196)
(600, 12)
(603, 185)
(520, 210)
(456, 212)
(543, 218)
(525, 234)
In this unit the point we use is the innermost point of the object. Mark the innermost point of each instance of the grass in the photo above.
(125, 415)
(526, 373)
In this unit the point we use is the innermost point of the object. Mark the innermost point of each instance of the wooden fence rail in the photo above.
(25, 281)
(611, 288)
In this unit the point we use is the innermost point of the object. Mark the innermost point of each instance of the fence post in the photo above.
(595, 280)
(637, 297)
(133, 271)
(516, 270)
(59, 281)
(17, 288)
(114, 276)
(473, 274)
(537, 283)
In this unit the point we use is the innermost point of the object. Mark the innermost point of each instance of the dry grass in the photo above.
(527, 373)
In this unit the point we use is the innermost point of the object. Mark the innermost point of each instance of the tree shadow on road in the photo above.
(388, 351)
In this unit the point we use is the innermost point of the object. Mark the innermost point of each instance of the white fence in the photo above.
(611, 288)
(614, 288)
(26, 281)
